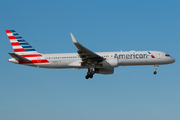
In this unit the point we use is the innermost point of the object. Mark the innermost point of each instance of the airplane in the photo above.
(95, 62)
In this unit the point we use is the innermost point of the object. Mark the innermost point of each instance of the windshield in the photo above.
(167, 55)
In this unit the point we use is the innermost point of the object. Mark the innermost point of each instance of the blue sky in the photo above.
(132, 93)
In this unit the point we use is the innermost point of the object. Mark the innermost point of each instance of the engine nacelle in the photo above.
(104, 70)
(109, 63)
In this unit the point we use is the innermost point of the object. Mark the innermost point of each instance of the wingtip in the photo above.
(73, 38)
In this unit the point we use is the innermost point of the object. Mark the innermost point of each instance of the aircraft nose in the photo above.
(173, 60)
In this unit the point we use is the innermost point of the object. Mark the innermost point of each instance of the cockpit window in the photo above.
(167, 55)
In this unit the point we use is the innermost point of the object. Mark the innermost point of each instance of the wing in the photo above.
(84, 53)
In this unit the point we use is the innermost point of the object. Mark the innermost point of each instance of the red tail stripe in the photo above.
(40, 61)
(8, 31)
(34, 61)
(19, 50)
(32, 55)
(15, 44)
(11, 37)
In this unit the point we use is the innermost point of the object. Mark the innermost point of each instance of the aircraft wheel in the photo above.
(155, 72)
(87, 77)
(91, 76)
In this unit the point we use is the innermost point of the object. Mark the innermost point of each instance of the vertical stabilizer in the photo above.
(24, 52)
(20, 46)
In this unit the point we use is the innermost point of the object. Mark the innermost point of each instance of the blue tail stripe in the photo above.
(15, 34)
(21, 40)
(12, 30)
(18, 37)
(27, 46)
(29, 49)
(23, 43)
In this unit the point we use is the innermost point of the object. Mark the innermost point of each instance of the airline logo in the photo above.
(18, 43)
(133, 56)
(151, 55)
(24, 49)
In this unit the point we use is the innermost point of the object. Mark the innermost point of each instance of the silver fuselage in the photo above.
(72, 60)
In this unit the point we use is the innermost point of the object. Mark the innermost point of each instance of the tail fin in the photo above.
(24, 53)
(19, 45)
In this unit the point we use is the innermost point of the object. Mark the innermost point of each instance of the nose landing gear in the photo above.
(155, 68)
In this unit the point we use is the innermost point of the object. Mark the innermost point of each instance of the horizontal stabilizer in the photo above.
(18, 57)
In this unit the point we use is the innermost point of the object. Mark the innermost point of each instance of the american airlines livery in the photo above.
(95, 62)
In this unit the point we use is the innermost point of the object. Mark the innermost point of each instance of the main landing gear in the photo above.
(155, 68)
(90, 73)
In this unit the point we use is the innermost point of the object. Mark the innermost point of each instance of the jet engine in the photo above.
(104, 70)
(109, 63)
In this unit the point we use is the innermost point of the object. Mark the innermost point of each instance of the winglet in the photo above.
(73, 38)
(84, 53)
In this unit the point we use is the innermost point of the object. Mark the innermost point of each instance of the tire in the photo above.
(91, 76)
(87, 77)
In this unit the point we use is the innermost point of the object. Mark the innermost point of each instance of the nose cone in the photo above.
(172, 60)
